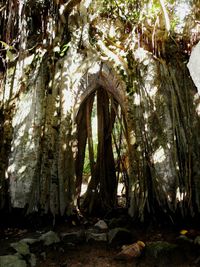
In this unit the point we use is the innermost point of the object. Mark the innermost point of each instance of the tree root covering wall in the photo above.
(75, 51)
(165, 123)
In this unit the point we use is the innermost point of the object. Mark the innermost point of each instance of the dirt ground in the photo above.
(100, 254)
(103, 255)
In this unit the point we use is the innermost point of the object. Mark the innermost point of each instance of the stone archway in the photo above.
(102, 188)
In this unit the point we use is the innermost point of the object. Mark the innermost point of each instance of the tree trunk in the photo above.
(102, 188)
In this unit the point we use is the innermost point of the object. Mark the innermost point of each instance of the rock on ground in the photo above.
(12, 261)
(21, 247)
(49, 238)
(101, 225)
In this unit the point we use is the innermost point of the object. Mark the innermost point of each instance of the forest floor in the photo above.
(164, 246)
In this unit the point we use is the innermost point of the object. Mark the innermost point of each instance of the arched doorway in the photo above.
(101, 160)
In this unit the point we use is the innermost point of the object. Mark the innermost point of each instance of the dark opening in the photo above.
(102, 161)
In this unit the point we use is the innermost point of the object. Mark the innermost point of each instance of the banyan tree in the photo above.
(133, 66)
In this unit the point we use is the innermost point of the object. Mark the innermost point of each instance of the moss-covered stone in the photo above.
(12, 261)
(159, 249)
(21, 247)
(49, 238)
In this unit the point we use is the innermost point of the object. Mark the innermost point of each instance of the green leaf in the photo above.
(10, 55)
(5, 45)
(64, 49)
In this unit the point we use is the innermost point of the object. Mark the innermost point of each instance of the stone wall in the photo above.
(157, 96)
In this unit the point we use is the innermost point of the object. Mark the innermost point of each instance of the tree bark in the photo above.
(102, 188)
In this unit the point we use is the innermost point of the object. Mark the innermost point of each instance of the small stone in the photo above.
(21, 247)
(12, 261)
(102, 237)
(101, 225)
(49, 238)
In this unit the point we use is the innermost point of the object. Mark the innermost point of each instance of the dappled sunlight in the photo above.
(67, 100)
(22, 66)
(198, 109)
(146, 116)
(24, 109)
(72, 80)
(26, 125)
(152, 91)
(135, 187)
(95, 68)
(141, 55)
(120, 189)
(97, 75)
(194, 66)
(22, 169)
(64, 147)
(51, 27)
(159, 155)
(182, 10)
(84, 187)
(11, 168)
(112, 57)
(137, 99)
(132, 138)
(180, 194)
(98, 100)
